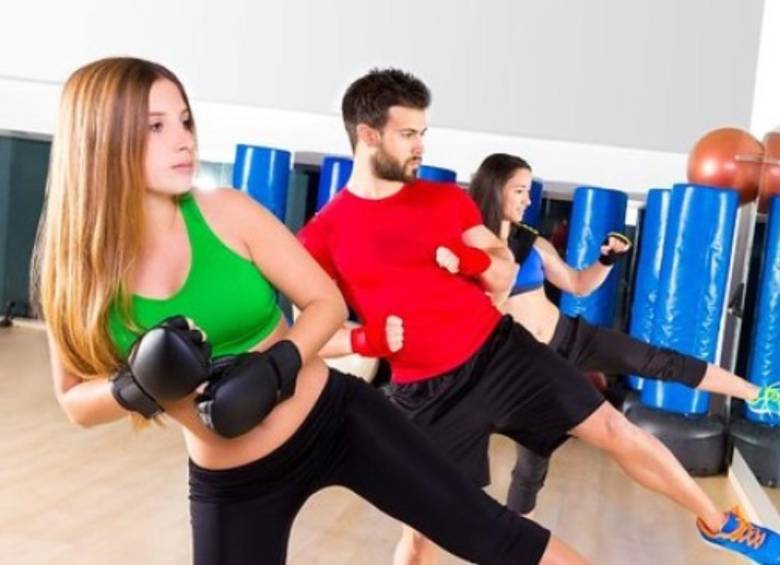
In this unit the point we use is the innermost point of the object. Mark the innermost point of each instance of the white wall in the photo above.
(31, 107)
(601, 92)
(766, 100)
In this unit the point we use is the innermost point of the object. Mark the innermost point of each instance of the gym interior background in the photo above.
(602, 93)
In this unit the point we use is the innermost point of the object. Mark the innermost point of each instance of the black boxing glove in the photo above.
(243, 389)
(166, 363)
(612, 256)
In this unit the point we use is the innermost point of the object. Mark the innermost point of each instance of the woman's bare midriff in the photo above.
(534, 311)
(209, 450)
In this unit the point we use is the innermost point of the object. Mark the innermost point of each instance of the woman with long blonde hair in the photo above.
(133, 269)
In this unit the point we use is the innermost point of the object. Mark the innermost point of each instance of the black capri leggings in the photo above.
(355, 438)
(593, 348)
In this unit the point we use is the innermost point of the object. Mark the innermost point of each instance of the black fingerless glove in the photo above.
(612, 256)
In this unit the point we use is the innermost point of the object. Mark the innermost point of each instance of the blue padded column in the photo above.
(691, 295)
(764, 364)
(595, 213)
(263, 173)
(533, 213)
(436, 174)
(334, 174)
(648, 269)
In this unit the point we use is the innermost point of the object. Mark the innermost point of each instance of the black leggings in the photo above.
(593, 348)
(355, 438)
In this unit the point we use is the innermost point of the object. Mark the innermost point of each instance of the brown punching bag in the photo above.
(727, 158)
(770, 171)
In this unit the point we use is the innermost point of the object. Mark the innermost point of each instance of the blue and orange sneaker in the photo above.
(760, 545)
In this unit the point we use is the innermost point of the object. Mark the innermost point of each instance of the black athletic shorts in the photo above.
(514, 385)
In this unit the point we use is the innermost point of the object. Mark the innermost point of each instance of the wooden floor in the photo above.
(109, 495)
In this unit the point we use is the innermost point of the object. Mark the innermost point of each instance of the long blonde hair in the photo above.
(92, 226)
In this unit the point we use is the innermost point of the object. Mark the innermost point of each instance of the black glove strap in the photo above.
(611, 258)
(521, 240)
(131, 396)
(220, 365)
(286, 361)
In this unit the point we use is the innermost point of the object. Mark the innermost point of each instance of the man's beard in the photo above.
(388, 168)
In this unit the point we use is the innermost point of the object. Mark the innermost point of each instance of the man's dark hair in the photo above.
(369, 98)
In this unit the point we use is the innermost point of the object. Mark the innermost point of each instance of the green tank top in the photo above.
(225, 295)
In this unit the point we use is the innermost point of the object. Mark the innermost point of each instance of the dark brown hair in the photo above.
(369, 98)
(488, 182)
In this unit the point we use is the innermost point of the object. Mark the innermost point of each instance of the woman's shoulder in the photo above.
(231, 214)
(228, 204)
(220, 198)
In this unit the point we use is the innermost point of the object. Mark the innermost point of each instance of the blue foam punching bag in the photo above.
(692, 287)
(595, 213)
(334, 174)
(263, 173)
(648, 269)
